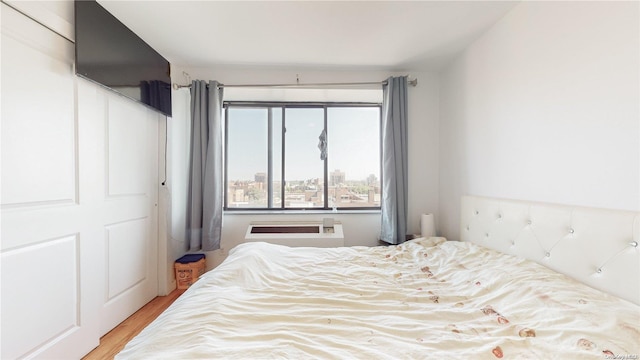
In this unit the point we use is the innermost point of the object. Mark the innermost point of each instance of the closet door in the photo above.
(78, 200)
(49, 257)
(129, 181)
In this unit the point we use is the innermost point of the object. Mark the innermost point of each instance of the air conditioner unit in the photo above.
(297, 234)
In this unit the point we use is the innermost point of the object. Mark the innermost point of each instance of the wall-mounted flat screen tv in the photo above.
(110, 54)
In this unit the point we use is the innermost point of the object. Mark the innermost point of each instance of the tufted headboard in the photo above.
(598, 247)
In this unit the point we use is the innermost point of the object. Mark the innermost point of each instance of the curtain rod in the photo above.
(413, 82)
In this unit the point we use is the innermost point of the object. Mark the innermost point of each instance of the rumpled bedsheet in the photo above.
(424, 299)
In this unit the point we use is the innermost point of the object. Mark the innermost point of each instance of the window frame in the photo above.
(268, 105)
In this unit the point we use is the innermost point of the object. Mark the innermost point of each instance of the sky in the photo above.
(353, 142)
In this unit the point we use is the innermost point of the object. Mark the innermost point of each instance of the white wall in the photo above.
(173, 195)
(545, 107)
(360, 229)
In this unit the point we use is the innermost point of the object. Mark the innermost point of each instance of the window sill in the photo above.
(300, 212)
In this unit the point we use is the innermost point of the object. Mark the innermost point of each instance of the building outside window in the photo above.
(274, 160)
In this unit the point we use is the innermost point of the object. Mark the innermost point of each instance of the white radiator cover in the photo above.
(322, 239)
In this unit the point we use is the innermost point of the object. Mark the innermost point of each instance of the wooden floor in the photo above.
(115, 340)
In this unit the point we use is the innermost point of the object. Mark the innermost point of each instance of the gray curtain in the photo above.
(204, 203)
(394, 161)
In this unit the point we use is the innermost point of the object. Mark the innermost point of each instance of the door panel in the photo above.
(130, 208)
(128, 149)
(39, 107)
(49, 307)
(78, 200)
(26, 283)
(126, 245)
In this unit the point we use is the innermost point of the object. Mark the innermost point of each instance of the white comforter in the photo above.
(427, 298)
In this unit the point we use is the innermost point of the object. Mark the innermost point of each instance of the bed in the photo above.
(425, 298)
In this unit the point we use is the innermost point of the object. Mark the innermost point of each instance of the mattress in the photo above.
(426, 298)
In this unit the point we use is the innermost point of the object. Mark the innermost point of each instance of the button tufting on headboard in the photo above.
(582, 240)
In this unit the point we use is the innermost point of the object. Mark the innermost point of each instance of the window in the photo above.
(273, 156)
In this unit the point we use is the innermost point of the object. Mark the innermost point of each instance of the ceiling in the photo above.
(390, 35)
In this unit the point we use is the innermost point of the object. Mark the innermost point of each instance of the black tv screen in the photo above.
(110, 54)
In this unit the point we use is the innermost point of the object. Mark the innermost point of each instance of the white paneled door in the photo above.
(78, 197)
(130, 175)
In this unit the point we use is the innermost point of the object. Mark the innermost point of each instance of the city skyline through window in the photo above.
(255, 142)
